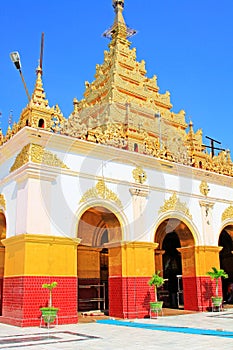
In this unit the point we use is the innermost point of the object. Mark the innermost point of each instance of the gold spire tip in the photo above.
(116, 3)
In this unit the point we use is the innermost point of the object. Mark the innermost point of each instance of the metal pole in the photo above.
(25, 86)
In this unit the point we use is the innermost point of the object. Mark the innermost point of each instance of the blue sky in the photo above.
(188, 44)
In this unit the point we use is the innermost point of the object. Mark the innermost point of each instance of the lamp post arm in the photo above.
(25, 86)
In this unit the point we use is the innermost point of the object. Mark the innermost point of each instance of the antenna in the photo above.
(212, 145)
(41, 50)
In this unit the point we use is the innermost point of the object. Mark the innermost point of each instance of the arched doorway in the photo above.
(172, 267)
(226, 262)
(171, 235)
(97, 227)
(41, 123)
(2, 255)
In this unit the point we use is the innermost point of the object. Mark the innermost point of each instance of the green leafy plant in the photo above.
(215, 274)
(156, 281)
(50, 287)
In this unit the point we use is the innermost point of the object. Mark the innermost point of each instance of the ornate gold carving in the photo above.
(73, 126)
(139, 175)
(101, 191)
(204, 188)
(38, 114)
(228, 213)
(2, 201)
(36, 154)
(174, 204)
(119, 109)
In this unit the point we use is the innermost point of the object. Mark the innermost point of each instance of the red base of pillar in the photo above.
(24, 296)
(198, 292)
(30, 322)
(129, 297)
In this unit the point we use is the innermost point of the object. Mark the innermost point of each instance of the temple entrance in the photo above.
(172, 268)
(97, 227)
(2, 255)
(226, 262)
(171, 235)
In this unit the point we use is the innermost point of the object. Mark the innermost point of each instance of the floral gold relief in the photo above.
(204, 188)
(2, 201)
(36, 154)
(139, 175)
(101, 191)
(174, 204)
(228, 213)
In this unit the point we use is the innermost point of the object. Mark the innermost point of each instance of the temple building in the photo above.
(101, 199)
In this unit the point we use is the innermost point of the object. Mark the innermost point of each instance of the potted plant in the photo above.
(156, 281)
(216, 274)
(49, 313)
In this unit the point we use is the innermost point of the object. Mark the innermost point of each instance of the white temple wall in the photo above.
(10, 193)
(50, 206)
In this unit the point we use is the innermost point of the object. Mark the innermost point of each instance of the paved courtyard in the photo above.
(213, 330)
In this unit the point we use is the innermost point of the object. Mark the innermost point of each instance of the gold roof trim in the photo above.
(36, 154)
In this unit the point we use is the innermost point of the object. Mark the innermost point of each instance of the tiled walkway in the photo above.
(213, 330)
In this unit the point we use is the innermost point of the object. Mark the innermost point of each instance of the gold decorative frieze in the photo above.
(174, 204)
(2, 201)
(204, 188)
(101, 191)
(228, 213)
(36, 154)
(139, 175)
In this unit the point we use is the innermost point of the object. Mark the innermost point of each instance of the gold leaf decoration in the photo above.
(174, 204)
(228, 213)
(139, 175)
(101, 191)
(36, 154)
(2, 201)
(204, 188)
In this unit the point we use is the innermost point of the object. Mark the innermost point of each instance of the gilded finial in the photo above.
(116, 3)
(119, 28)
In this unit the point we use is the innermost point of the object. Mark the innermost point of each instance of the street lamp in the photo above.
(15, 58)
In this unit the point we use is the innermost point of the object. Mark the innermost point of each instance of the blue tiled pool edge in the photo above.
(187, 330)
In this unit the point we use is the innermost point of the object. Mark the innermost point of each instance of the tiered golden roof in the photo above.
(37, 113)
(123, 108)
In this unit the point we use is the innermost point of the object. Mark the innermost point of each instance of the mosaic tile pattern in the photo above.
(38, 339)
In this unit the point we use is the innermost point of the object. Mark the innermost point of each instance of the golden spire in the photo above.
(191, 135)
(38, 114)
(119, 29)
(38, 96)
